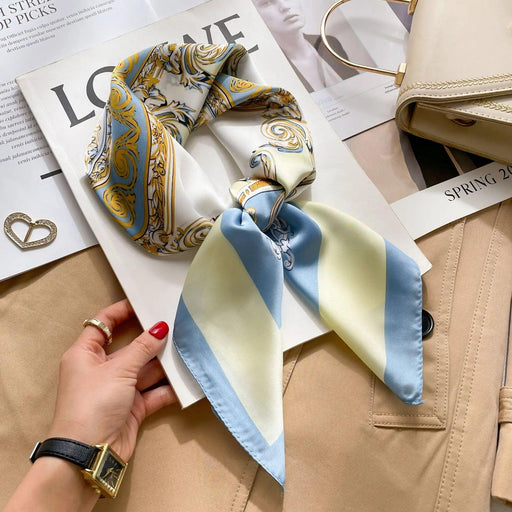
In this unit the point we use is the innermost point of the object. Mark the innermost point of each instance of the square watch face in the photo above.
(109, 473)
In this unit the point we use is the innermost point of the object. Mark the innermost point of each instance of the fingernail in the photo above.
(159, 330)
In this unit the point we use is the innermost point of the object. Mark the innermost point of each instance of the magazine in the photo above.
(154, 284)
(32, 181)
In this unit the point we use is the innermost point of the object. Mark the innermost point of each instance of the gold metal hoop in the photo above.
(399, 74)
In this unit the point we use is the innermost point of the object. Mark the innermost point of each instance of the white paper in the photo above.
(453, 199)
(358, 104)
(153, 284)
(165, 8)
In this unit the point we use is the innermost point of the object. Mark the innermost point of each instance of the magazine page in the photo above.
(366, 32)
(33, 34)
(165, 8)
(154, 284)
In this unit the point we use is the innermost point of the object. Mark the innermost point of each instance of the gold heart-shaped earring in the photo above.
(26, 244)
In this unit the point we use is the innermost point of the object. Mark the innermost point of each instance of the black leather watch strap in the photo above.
(76, 452)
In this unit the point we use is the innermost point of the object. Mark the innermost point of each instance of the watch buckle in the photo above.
(32, 456)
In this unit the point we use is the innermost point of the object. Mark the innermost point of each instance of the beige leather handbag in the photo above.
(456, 87)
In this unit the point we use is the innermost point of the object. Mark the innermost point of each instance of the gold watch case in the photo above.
(107, 471)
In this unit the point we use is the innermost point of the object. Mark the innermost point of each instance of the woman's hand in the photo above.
(104, 398)
(101, 398)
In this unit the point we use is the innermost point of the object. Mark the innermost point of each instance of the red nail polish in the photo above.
(159, 330)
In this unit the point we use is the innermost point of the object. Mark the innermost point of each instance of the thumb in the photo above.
(144, 348)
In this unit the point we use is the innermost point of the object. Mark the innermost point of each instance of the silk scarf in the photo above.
(227, 326)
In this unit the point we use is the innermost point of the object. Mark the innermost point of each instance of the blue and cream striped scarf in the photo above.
(227, 326)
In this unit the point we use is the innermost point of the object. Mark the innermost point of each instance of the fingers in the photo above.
(157, 398)
(150, 374)
(111, 316)
(143, 348)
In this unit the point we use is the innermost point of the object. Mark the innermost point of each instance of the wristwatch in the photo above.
(100, 465)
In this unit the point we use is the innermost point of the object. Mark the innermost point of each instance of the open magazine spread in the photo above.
(154, 284)
(31, 36)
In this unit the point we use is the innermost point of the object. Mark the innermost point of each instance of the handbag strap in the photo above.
(398, 74)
